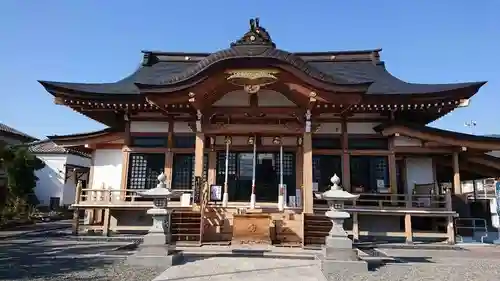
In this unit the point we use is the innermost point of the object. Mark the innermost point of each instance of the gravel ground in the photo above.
(49, 258)
(71, 269)
(46, 259)
(437, 265)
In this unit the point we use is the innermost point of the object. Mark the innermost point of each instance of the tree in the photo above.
(20, 166)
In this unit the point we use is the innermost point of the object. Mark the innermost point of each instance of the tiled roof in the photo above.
(9, 130)
(362, 71)
(49, 147)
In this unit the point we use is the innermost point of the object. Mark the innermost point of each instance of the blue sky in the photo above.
(423, 41)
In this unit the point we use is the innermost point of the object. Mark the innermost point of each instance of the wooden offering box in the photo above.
(251, 229)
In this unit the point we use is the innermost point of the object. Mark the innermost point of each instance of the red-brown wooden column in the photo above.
(393, 178)
(346, 164)
(307, 179)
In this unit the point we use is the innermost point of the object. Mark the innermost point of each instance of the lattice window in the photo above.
(183, 176)
(144, 169)
(288, 164)
(221, 163)
(380, 167)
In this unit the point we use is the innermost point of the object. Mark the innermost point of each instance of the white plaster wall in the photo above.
(51, 182)
(273, 98)
(418, 171)
(51, 178)
(78, 160)
(234, 98)
(406, 141)
(107, 168)
(148, 127)
(329, 128)
(182, 127)
(361, 128)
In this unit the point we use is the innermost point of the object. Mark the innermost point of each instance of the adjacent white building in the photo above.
(56, 184)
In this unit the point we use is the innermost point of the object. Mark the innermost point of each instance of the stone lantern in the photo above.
(338, 253)
(155, 248)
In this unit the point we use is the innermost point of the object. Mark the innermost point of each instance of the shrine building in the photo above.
(252, 135)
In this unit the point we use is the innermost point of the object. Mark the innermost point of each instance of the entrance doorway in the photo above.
(267, 175)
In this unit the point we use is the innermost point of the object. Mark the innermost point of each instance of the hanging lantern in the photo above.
(277, 140)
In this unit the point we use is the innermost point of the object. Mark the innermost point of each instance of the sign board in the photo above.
(380, 184)
(215, 192)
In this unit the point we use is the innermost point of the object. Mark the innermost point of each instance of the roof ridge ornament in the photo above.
(257, 35)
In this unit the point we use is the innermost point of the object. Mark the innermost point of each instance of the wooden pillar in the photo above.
(408, 229)
(76, 210)
(456, 174)
(198, 154)
(105, 224)
(212, 168)
(169, 156)
(393, 177)
(450, 222)
(307, 178)
(355, 226)
(346, 164)
(450, 230)
(124, 184)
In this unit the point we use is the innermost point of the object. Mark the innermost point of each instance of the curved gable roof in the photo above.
(349, 72)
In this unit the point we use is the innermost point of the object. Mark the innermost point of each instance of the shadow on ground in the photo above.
(41, 258)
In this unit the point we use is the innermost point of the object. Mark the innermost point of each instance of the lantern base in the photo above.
(155, 256)
(339, 256)
(341, 268)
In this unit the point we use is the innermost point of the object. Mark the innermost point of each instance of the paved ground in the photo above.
(47, 256)
(251, 269)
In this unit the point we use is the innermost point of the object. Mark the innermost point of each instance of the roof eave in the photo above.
(58, 90)
(438, 135)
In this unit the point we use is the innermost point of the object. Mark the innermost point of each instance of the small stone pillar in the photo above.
(155, 249)
(338, 253)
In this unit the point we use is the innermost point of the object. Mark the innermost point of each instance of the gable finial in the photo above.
(257, 35)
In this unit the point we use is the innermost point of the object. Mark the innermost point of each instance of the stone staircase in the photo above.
(186, 227)
(316, 228)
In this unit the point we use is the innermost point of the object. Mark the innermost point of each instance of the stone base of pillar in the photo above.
(252, 201)
(225, 199)
(281, 202)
